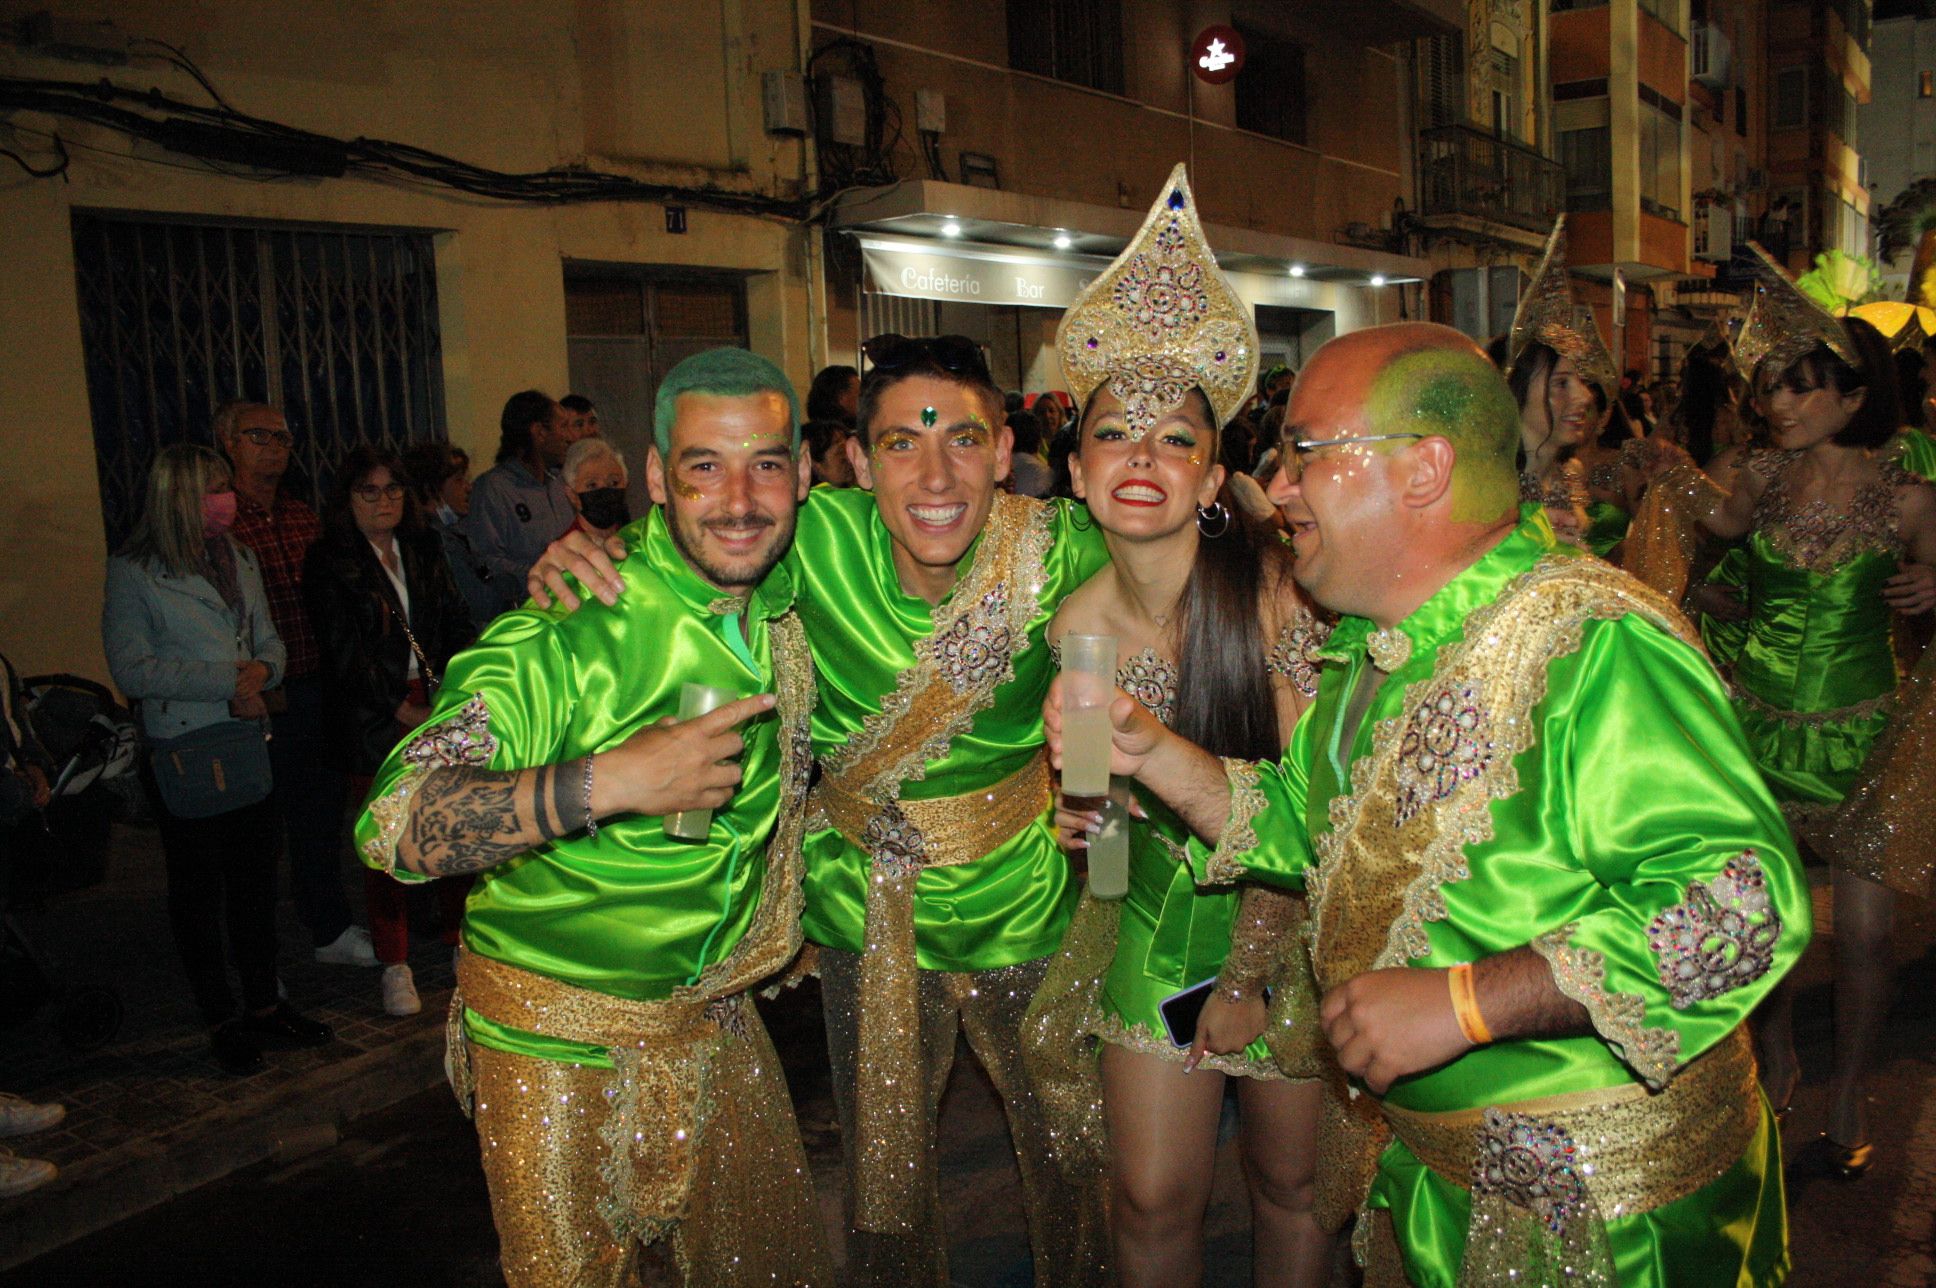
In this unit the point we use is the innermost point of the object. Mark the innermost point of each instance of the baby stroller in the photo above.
(73, 731)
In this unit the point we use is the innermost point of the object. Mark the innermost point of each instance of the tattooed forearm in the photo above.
(466, 819)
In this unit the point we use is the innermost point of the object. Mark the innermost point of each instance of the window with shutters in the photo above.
(335, 325)
(1441, 81)
(1587, 156)
(1079, 41)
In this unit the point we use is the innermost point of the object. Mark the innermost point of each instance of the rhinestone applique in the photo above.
(1151, 680)
(1532, 1164)
(975, 647)
(1816, 536)
(896, 843)
(464, 739)
(1720, 937)
(1445, 745)
(1295, 655)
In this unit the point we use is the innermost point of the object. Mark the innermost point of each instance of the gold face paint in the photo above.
(685, 491)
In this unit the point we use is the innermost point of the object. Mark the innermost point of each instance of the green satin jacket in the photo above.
(1013, 905)
(1574, 779)
(631, 912)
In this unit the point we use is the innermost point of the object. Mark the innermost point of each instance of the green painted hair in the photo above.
(1459, 396)
(723, 373)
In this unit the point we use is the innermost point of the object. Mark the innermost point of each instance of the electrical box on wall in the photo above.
(840, 110)
(783, 96)
(930, 111)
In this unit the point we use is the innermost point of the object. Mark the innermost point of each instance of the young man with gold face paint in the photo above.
(925, 592)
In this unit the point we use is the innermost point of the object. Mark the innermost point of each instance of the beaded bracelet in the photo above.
(591, 821)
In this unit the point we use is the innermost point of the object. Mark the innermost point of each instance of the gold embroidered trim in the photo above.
(1144, 1040)
(1814, 719)
(1504, 656)
(1239, 836)
(1620, 1018)
(390, 812)
(462, 738)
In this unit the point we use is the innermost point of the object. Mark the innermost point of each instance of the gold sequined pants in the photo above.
(1066, 1228)
(751, 1218)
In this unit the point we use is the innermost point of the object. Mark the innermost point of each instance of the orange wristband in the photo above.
(1465, 1005)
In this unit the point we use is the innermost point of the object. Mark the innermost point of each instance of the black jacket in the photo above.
(365, 653)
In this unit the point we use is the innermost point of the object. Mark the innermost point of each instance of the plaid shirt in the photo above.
(281, 539)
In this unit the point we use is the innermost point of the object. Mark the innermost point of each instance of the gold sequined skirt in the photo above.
(1885, 829)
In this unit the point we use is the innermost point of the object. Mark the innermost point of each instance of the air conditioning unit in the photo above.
(1711, 56)
(1714, 233)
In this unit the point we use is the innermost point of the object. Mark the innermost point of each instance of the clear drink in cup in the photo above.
(696, 700)
(1088, 688)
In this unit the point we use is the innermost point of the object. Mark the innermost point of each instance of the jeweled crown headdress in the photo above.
(1788, 325)
(1162, 320)
(1547, 315)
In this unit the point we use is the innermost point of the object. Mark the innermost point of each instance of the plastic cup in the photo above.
(696, 700)
(1109, 853)
(1088, 687)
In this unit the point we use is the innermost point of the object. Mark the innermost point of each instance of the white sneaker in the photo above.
(351, 948)
(399, 991)
(18, 1175)
(19, 1116)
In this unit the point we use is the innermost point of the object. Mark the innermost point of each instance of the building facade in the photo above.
(1898, 124)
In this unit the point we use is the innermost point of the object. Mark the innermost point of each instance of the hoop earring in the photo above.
(1218, 514)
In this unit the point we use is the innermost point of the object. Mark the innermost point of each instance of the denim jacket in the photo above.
(172, 643)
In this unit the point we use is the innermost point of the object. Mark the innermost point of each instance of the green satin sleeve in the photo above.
(1013, 904)
(1623, 886)
(1264, 837)
(1606, 526)
(630, 912)
(1732, 1231)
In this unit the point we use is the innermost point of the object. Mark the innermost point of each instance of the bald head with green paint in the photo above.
(1450, 390)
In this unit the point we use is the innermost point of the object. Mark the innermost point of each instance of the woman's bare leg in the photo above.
(1864, 987)
(1280, 1139)
(1163, 1150)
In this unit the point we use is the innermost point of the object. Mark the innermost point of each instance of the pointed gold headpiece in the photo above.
(1547, 315)
(1752, 340)
(1788, 324)
(1161, 321)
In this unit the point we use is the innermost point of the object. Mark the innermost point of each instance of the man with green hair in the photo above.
(1547, 886)
(623, 1086)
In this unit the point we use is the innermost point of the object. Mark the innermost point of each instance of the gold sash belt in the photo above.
(1548, 1173)
(901, 839)
(659, 1053)
(943, 831)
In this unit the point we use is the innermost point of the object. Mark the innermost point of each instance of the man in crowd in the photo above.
(925, 604)
(584, 416)
(309, 787)
(1537, 963)
(623, 1086)
(521, 503)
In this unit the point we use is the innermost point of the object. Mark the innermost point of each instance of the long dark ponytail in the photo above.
(1224, 700)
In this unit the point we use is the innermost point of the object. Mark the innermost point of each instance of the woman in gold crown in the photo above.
(1562, 377)
(1214, 638)
(1837, 537)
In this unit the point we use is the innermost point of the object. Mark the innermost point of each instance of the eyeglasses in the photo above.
(952, 353)
(373, 493)
(1301, 448)
(266, 437)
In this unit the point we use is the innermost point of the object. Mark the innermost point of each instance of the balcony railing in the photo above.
(1463, 171)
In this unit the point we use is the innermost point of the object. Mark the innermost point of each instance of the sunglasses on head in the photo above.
(956, 354)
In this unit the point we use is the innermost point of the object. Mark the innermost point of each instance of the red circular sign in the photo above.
(1217, 54)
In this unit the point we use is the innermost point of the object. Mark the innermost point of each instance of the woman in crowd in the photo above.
(1837, 537)
(835, 395)
(440, 473)
(1050, 410)
(188, 636)
(1562, 377)
(595, 475)
(388, 619)
(1613, 466)
(1213, 637)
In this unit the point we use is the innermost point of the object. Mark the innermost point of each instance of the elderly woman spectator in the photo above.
(188, 635)
(595, 475)
(440, 472)
(388, 619)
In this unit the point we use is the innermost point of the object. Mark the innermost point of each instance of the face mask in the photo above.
(604, 507)
(218, 512)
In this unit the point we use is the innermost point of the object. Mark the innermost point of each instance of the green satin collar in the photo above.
(651, 540)
(1438, 618)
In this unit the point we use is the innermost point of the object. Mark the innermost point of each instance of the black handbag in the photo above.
(212, 770)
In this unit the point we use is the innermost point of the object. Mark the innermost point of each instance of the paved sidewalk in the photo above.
(150, 1115)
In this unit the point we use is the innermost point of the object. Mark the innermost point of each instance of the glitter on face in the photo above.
(686, 491)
